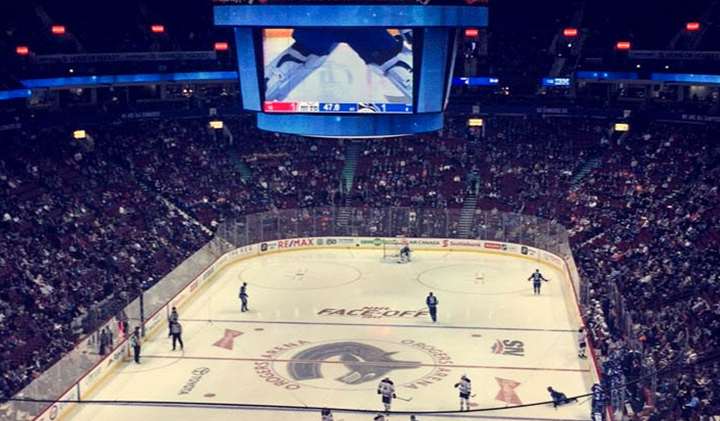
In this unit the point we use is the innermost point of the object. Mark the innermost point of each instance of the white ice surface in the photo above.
(297, 301)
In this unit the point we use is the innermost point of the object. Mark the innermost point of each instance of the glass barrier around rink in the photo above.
(60, 379)
(157, 295)
(391, 222)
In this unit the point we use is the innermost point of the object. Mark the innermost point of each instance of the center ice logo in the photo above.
(364, 362)
(353, 364)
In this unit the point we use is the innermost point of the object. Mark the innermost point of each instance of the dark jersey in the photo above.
(536, 277)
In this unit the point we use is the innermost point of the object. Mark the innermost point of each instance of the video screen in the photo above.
(338, 70)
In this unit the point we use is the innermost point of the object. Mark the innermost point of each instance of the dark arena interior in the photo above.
(359, 210)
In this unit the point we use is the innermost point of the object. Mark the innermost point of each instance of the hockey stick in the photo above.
(580, 403)
(403, 399)
(473, 395)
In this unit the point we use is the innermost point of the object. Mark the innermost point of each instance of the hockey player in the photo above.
(598, 402)
(582, 342)
(244, 297)
(559, 398)
(386, 388)
(176, 331)
(537, 279)
(465, 389)
(432, 303)
(135, 344)
(405, 253)
(104, 340)
(326, 414)
(173, 318)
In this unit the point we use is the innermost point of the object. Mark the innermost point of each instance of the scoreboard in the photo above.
(335, 108)
(352, 68)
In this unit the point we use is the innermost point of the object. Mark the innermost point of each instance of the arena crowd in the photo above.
(86, 225)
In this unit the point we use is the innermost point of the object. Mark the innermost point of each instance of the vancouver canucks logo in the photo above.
(352, 364)
(364, 362)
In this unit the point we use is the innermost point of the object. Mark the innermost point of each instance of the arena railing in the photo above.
(64, 379)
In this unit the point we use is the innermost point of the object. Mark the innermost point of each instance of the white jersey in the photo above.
(386, 388)
(582, 337)
(464, 385)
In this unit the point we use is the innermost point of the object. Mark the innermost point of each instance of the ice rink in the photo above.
(325, 326)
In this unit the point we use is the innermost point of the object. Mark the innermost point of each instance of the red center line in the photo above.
(368, 363)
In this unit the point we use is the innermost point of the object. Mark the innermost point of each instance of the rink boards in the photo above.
(321, 323)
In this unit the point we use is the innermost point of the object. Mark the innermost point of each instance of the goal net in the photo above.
(391, 248)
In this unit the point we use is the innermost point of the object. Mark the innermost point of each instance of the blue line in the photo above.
(519, 329)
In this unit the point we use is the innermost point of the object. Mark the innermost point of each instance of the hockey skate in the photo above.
(399, 71)
(288, 70)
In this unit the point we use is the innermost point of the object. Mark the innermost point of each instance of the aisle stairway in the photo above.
(240, 166)
(351, 161)
(597, 156)
(467, 214)
(146, 184)
(585, 170)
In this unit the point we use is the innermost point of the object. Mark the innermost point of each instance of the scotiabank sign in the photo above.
(460, 243)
